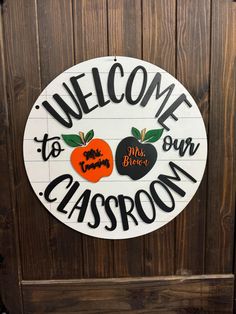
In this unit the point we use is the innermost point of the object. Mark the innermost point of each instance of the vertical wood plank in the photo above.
(221, 181)
(159, 30)
(125, 28)
(55, 25)
(23, 87)
(193, 50)
(10, 290)
(169, 295)
(90, 29)
(125, 38)
(159, 47)
(234, 301)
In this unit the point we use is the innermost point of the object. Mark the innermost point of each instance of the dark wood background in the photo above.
(45, 267)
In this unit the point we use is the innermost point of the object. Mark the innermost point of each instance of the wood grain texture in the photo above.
(193, 64)
(125, 28)
(55, 28)
(10, 273)
(159, 30)
(56, 55)
(124, 37)
(221, 193)
(159, 47)
(23, 87)
(199, 294)
(41, 39)
(90, 30)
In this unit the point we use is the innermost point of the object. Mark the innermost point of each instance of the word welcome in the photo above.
(79, 97)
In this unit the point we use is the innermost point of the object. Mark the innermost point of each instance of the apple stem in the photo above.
(81, 134)
(143, 132)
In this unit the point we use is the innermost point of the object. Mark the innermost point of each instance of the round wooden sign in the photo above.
(115, 149)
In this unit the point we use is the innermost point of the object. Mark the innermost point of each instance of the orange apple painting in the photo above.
(92, 157)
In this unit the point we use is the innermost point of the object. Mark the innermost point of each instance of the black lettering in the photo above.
(155, 84)
(55, 147)
(83, 207)
(170, 111)
(67, 109)
(98, 164)
(95, 210)
(81, 97)
(111, 83)
(167, 179)
(182, 145)
(110, 213)
(158, 200)
(139, 207)
(124, 212)
(98, 87)
(167, 143)
(69, 194)
(92, 154)
(192, 148)
(128, 90)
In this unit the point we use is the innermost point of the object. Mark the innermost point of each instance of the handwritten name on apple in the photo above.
(135, 156)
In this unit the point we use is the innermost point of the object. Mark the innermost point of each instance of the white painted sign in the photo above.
(115, 149)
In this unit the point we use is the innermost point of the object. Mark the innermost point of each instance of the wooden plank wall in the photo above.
(221, 173)
(9, 250)
(193, 40)
(195, 294)
(158, 18)
(193, 46)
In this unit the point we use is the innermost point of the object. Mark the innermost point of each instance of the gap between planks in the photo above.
(125, 280)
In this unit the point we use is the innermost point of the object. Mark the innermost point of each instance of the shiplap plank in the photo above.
(193, 51)
(221, 178)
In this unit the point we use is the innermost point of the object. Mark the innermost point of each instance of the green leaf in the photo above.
(89, 136)
(73, 140)
(153, 135)
(136, 133)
